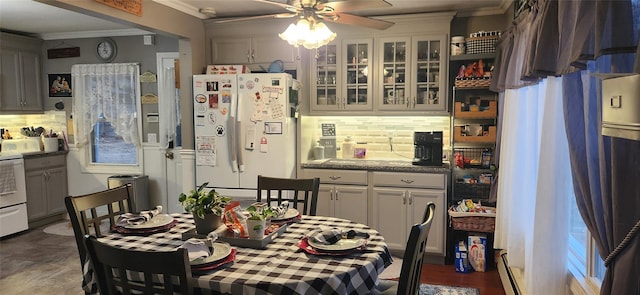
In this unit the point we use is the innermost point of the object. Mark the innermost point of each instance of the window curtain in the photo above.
(106, 92)
(607, 175)
(170, 109)
(533, 212)
(574, 39)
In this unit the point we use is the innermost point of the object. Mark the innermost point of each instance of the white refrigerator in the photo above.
(244, 128)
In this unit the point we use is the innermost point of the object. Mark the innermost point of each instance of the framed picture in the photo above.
(60, 85)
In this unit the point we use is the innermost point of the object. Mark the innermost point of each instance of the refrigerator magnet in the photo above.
(272, 127)
(200, 98)
(212, 118)
(263, 145)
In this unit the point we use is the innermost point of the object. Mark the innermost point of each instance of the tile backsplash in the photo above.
(49, 120)
(380, 133)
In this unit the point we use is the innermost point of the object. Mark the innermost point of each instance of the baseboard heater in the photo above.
(508, 278)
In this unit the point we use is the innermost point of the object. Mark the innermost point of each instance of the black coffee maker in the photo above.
(427, 148)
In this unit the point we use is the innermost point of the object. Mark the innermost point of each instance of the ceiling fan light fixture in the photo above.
(309, 33)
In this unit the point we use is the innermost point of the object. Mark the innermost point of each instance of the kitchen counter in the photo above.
(32, 155)
(375, 165)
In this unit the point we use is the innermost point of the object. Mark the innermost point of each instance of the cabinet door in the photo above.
(389, 216)
(394, 70)
(357, 74)
(231, 50)
(351, 203)
(56, 189)
(268, 49)
(417, 203)
(324, 207)
(36, 194)
(428, 74)
(31, 87)
(327, 74)
(10, 87)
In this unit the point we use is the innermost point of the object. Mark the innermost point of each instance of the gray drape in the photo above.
(574, 39)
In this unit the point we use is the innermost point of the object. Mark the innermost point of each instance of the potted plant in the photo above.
(257, 221)
(207, 208)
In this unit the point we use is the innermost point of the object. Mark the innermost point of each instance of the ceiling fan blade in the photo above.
(283, 5)
(352, 5)
(279, 15)
(349, 19)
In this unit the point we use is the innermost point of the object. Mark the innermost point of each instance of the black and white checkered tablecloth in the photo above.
(281, 268)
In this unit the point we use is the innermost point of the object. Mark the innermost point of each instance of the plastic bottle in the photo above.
(347, 148)
(318, 151)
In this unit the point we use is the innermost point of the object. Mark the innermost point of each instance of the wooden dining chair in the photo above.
(412, 261)
(123, 271)
(294, 190)
(88, 212)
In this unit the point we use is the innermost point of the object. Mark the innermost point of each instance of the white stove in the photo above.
(13, 194)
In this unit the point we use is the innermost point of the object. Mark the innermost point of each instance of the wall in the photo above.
(50, 120)
(375, 130)
(130, 49)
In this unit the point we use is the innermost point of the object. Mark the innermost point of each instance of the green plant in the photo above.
(255, 214)
(201, 202)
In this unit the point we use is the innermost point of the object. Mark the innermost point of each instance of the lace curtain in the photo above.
(170, 109)
(106, 92)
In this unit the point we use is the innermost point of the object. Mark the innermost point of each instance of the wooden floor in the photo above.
(488, 282)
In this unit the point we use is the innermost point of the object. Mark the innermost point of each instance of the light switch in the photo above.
(616, 101)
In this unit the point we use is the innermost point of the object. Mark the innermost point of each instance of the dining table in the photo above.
(281, 267)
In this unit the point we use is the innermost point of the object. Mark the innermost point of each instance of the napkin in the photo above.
(330, 236)
(281, 210)
(197, 248)
(138, 218)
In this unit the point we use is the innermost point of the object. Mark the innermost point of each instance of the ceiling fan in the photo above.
(331, 11)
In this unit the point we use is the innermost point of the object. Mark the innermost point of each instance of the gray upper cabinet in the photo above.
(252, 51)
(20, 66)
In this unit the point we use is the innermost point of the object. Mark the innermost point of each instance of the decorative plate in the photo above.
(156, 221)
(220, 251)
(291, 213)
(341, 245)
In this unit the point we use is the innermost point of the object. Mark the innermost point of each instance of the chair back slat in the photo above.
(87, 212)
(146, 272)
(290, 189)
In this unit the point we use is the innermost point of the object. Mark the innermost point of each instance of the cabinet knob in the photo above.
(410, 199)
(404, 198)
(334, 177)
(406, 180)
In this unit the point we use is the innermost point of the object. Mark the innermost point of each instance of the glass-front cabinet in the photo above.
(412, 74)
(342, 77)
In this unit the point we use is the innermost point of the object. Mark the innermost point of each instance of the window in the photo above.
(106, 117)
(584, 261)
(107, 147)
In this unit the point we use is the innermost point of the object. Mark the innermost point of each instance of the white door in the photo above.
(389, 216)
(418, 200)
(168, 104)
(351, 203)
(324, 206)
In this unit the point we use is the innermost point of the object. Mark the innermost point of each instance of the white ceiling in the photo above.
(50, 22)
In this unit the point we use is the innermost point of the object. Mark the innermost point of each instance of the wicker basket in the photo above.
(473, 82)
(484, 44)
(472, 221)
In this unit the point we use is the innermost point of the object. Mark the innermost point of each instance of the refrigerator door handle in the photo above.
(232, 135)
(238, 132)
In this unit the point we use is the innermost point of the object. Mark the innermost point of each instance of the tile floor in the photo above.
(35, 262)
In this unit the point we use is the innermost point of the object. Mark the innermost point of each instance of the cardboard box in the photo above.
(227, 69)
(478, 252)
(462, 259)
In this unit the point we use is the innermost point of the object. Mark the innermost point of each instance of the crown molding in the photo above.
(93, 34)
(183, 7)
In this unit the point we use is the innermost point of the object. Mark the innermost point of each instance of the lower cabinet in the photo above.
(343, 193)
(46, 179)
(399, 201)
